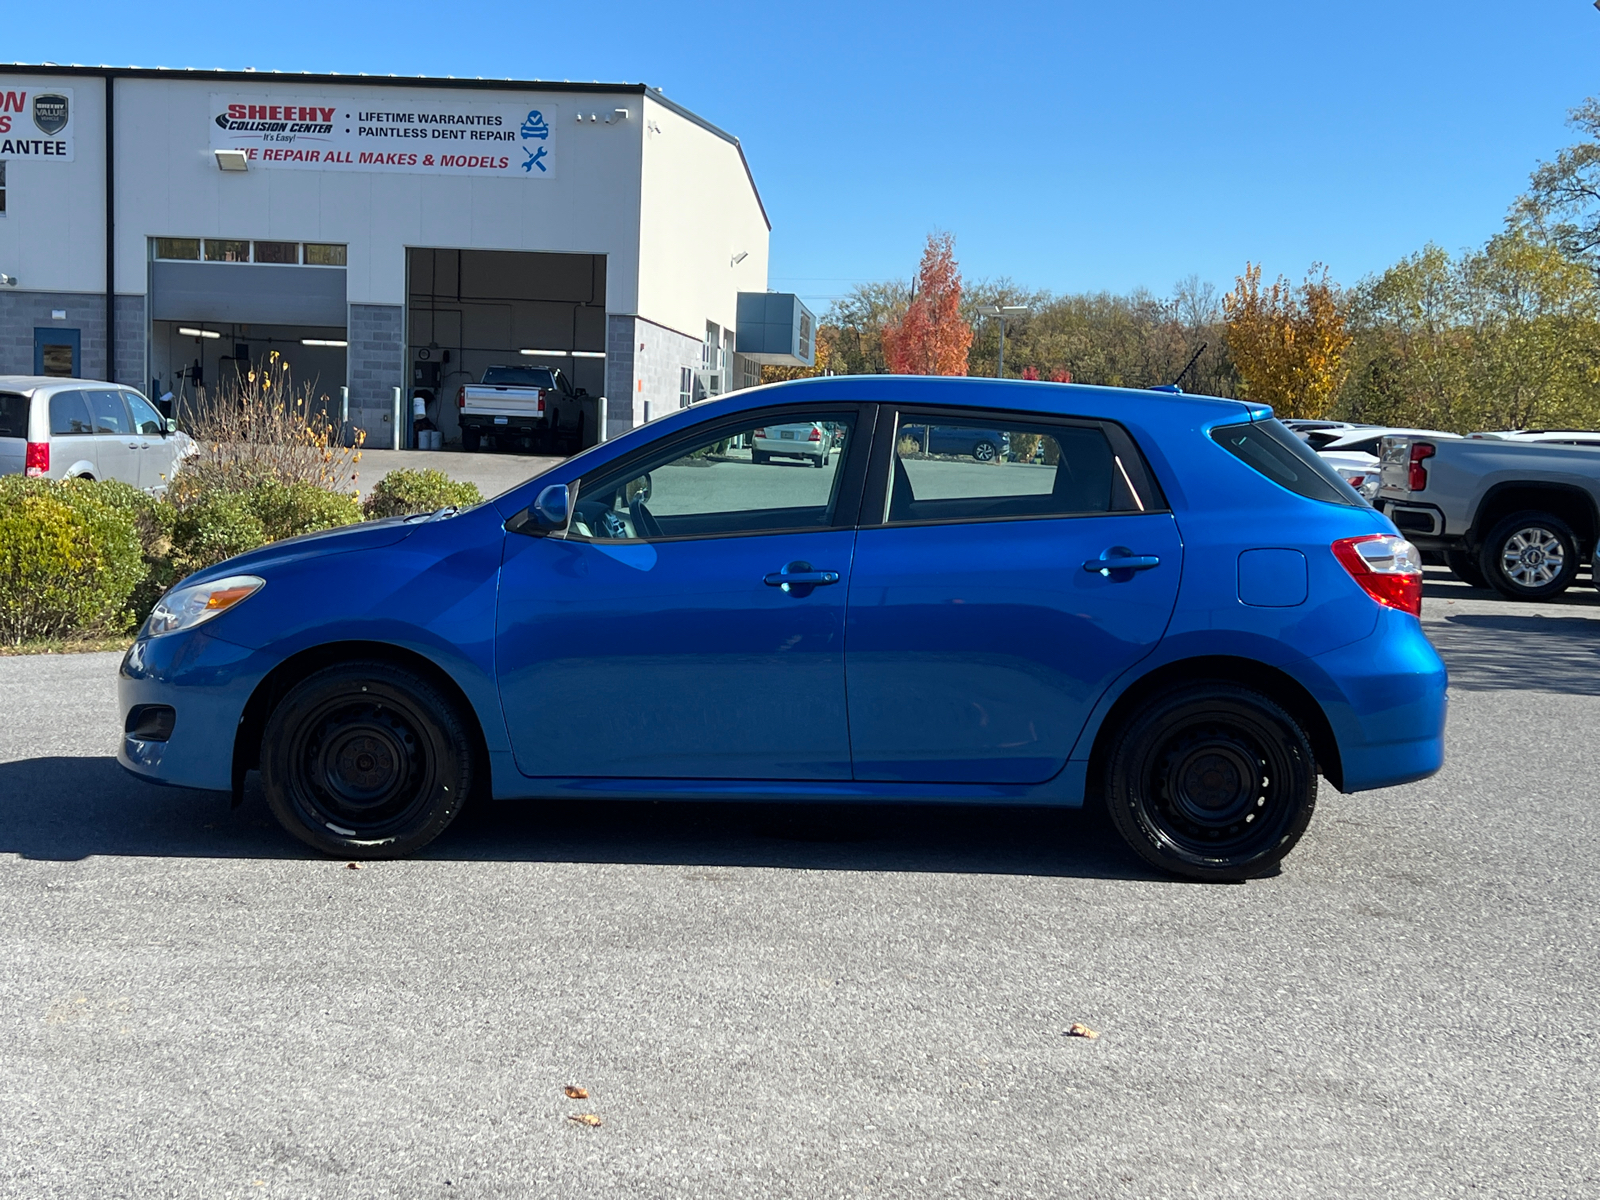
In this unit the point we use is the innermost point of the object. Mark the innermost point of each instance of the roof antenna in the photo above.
(1190, 365)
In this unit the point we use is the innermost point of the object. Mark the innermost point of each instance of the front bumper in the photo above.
(207, 682)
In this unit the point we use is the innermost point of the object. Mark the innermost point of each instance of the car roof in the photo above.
(33, 383)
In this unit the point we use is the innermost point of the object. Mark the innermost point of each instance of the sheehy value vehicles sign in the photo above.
(36, 123)
(405, 133)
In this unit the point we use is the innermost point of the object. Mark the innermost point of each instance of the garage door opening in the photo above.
(469, 310)
(191, 360)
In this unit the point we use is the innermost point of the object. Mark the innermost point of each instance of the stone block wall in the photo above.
(21, 312)
(376, 358)
(643, 367)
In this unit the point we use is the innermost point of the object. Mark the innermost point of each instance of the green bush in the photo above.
(401, 493)
(68, 561)
(217, 523)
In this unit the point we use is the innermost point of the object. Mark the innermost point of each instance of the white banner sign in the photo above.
(36, 123)
(401, 131)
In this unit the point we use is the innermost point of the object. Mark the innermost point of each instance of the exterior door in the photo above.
(57, 352)
(981, 633)
(155, 450)
(690, 624)
(116, 446)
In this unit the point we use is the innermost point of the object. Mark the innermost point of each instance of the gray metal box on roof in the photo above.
(776, 329)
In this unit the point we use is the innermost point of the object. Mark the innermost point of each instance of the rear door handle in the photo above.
(815, 578)
(1120, 563)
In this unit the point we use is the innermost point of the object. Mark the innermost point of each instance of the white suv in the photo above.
(84, 429)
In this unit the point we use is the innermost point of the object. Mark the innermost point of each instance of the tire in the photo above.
(985, 451)
(470, 439)
(1250, 753)
(820, 461)
(366, 760)
(1464, 566)
(760, 457)
(1530, 556)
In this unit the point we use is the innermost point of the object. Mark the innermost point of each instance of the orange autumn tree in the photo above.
(931, 339)
(1288, 343)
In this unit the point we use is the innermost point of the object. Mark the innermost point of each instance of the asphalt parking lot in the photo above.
(778, 1001)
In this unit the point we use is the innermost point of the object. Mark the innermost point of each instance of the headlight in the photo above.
(194, 604)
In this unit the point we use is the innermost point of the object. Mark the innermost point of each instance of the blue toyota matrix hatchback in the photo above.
(1160, 602)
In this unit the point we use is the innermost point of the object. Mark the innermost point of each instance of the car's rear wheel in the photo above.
(760, 457)
(1530, 556)
(366, 760)
(1212, 781)
(470, 439)
(1464, 566)
(984, 451)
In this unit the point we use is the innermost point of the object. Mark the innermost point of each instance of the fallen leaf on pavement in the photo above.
(574, 1092)
(352, 866)
(1082, 1031)
(588, 1119)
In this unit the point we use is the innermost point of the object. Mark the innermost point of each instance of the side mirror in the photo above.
(172, 424)
(639, 490)
(553, 508)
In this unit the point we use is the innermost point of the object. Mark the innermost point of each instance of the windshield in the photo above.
(540, 377)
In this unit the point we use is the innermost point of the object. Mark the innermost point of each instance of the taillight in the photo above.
(38, 460)
(760, 433)
(816, 434)
(543, 392)
(461, 396)
(1387, 567)
(1417, 477)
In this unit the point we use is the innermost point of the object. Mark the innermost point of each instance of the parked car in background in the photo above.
(811, 441)
(1515, 514)
(985, 445)
(1563, 437)
(52, 428)
(519, 406)
(1182, 614)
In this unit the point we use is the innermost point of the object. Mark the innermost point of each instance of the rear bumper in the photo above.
(1385, 698)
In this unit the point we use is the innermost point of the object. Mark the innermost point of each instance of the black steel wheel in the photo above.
(1212, 781)
(985, 451)
(1464, 566)
(366, 760)
(1530, 556)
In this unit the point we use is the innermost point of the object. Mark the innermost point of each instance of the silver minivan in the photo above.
(54, 428)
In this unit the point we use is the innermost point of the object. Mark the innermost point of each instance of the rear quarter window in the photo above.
(13, 415)
(1271, 450)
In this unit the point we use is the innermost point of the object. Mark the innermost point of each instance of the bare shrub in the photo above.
(261, 427)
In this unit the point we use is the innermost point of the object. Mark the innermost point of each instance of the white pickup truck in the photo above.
(517, 407)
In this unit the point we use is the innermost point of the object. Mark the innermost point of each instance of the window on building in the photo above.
(227, 250)
(2, 187)
(277, 252)
(685, 387)
(319, 254)
(183, 249)
(805, 335)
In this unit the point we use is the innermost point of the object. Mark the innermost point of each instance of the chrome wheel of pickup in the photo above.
(1530, 556)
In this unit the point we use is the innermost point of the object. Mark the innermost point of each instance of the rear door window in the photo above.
(981, 468)
(1271, 450)
(110, 414)
(13, 415)
(69, 415)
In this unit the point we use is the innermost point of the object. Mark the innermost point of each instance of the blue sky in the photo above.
(1069, 145)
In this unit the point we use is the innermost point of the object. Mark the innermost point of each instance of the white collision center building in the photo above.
(164, 229)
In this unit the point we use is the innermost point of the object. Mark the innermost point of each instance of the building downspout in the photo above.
(111, 241)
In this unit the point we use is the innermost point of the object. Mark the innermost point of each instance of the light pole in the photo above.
(1000, 312)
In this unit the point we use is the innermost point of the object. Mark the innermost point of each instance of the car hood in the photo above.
(366, 535)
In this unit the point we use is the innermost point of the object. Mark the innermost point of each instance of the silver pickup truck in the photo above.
(1520, 517)
(515, 407)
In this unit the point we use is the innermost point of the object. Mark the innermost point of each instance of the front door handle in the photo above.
(798, 578)
(1120, 563)
(133, 445)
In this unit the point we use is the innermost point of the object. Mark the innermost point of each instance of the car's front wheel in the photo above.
(1212, 781)
(366, 760)
(1530, 556)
